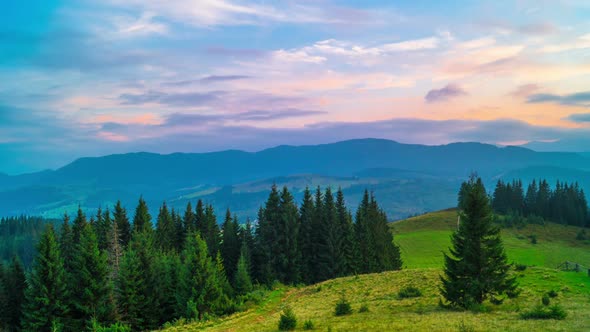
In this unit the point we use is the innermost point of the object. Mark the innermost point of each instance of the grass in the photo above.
(422, 240)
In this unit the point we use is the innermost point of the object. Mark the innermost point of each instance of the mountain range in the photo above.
(406, 178)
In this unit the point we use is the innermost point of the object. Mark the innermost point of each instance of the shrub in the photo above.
(545, 300)
(552, 293)
(581, 235)
(288, 321)
(408, 292)
(364, 308)
(533, 238)
(496, 301)
(462, 327)
(540, 312)
(343, 307)
(308, 325)
(520, 267)
(117, 327)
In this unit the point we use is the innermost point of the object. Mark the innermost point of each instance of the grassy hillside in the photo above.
(422, 239)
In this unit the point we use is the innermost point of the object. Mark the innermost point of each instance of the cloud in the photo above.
(524, 90)
(208, 79)
(580, 117)
(448, 92)
(171, 99)
(579, 99)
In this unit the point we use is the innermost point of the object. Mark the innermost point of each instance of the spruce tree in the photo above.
(131, 290)
(477, 267)
(92, 297)
(78, 224)
(45, 297)
(166, 268)
(123, 225)
(14, 285)
(348, 246)
(289, 263)
(198, 289)
(142, 221)
(230, 244)
(211, 231)
(103, 228)
(242, 280)
(189, 220)
(323, 266)
(165, 230)
(66, 244)
(306, 237)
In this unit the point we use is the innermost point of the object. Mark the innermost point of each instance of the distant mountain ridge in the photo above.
(101, 180)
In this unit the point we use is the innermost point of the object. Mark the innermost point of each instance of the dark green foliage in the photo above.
(308, 325)
(131, 290)
(116, 327)
(189, 220)
(19, 235)
(342, 307)
(46, 294)
(552, 293)
(408, 292)
(545, 312)
(210, 230)
(520, 267)
(12, 292)
(166, 237)
(581, 236)
(364, 308)
(477, 266)
(142, 221)
(306, 235)
(166, 268)
(545, 300)
(230, 245)
(533, 238)
(566, 204)
(242, 281)
(91, 298)
(102, 228)
(78, 225)
(348, 251)
(123, 225)
(288, 320)
(198, 290)
(375, 240)
(287, 264)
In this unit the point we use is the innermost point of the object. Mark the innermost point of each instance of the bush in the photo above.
(288, 321)
(540, 312)
(364, 308)
(520, 267)
(117, 327)
(343, 307)
(408, 292)
(582, 235)
(462, 327)
(308, 325)
(552, 293)
(533, 238)
(545, 300)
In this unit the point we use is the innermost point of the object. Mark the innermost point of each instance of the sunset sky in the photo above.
(94, 77)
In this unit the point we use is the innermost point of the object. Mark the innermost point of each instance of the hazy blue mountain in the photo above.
(407, 178)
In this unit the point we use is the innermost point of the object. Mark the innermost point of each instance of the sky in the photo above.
(96, 77)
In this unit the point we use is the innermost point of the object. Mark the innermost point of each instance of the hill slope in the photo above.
(422, 240)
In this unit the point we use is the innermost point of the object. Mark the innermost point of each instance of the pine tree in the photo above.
(189, 220)
(78, 224)
(242, 280)
(166, 268)
(306, 237)
(289, 264)
(165, 230)
(45, 297)
(211, 231)
(14, 284)
(366, 244)
(224, 304)
(198, 289)
(230, 245)
(103, 228)
(114, 251)
(261, 254)
(142, 221)
(92, 298)
(324, 264)
(200, 224)
(66, 244)
(131, 290)
(123, 225)
(348, 249)
(477, 266)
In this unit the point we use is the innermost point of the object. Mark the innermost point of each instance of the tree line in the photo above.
(565, 204)
(18, 236)
(109, 269)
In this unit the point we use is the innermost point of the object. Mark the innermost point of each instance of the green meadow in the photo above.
(422, 241)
